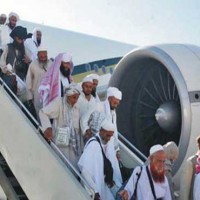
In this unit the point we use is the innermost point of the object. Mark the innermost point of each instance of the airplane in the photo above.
(160, 99)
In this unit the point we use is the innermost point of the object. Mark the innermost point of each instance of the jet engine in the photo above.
(161, 97)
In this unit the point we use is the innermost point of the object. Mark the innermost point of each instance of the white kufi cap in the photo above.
(113, 91)
(72, 89)
(14, 14)
(108, 126)
(42, 48)
(155, 149)
(66, 57)
(93, 76)
(87, 79)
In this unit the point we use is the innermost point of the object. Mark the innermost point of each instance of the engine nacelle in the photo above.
(161, 97)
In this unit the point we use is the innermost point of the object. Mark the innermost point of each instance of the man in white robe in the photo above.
(114, 96)
(91, 163)
(95, 78)
(3, 18)
(65, 113)
(32, 44)
(35, 74)
(87, 103)
(188, 174)
(140, 177)
(6, 29)
(108, 107)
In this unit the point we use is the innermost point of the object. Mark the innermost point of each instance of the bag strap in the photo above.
(97, 139)
(136, 184)
(151, 183)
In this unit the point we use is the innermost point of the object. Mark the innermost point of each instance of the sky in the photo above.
(139, 22)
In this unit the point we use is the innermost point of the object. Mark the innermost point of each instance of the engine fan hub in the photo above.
(168, 116)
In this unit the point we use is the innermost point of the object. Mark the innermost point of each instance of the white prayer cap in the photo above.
(42, 48)
(108, 126)
(11, 14)
(72, 89)
(3, 16)
(155, 149)
(37, 29)
(66, 57)
(87, 79)
(113, 91)
(94, 76)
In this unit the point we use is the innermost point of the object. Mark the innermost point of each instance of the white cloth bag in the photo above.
(63, 136)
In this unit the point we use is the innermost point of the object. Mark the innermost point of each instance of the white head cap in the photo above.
(42, 48)
(87, 79)
(113, 91)
(11, 14)
(66, 57)
(155, 149)
(94, 76)
(72, 89)
(108, 126)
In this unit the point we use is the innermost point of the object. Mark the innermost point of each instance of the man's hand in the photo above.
(26, 60)
(97, 196)
(118, 155)
(124, 194)
(48, 134)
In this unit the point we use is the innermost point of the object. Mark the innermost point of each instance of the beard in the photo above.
(19, 46)
(65, 71)
(38, 42)
(158, 177)
(93, 93)
(43, 63)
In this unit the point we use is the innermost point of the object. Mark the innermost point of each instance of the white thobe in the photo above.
(55, 110)
(92, 168)
(196, 189)
(5, 35)
(144, 191)
(34, 77)
(111, 117)
(32, 48)
(86, 105)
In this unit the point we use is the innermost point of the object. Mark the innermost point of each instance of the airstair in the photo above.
(30, 167)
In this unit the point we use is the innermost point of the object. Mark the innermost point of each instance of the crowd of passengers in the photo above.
(82, 125)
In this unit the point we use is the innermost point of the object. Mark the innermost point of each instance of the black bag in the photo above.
(108, 170)
(125, 172)
(11, 82)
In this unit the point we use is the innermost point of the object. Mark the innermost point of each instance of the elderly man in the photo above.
(188, 174)
(65, 114)
(149, 182)
(99, 165)
(33, 43)
(7, 29)
(35, 74)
